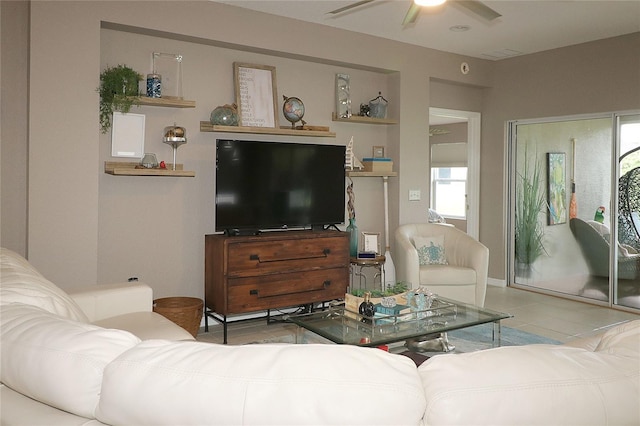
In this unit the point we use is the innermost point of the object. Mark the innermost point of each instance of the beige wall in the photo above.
(87, 227)
(14, 59)
(601, 76)
(82, 223)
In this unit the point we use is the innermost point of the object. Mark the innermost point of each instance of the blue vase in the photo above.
(352, 229)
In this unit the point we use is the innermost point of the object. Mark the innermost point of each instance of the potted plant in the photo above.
(530, 202)
(118, 91)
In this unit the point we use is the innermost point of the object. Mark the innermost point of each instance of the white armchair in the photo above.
(463, 278)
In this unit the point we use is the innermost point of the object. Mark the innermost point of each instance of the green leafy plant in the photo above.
(530, 202)
(398, 288)
(118, 90)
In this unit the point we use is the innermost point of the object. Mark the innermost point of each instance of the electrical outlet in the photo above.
(414, 195)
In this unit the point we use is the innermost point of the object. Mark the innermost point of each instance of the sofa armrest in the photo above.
(109, 300)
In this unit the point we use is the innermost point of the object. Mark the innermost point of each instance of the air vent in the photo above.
(502, 54)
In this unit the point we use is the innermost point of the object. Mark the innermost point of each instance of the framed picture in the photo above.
(378, 152)
(256, 93)
(371, 242)
(557, 188)
(127, 135)
(169, 66)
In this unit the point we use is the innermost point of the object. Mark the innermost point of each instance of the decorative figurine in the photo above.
(351, 161)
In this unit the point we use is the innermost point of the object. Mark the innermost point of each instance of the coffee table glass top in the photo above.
(345, 327)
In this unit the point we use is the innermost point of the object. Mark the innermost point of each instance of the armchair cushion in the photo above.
(430, 250)
(447, 275)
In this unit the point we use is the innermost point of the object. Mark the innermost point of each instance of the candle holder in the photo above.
(175, 136)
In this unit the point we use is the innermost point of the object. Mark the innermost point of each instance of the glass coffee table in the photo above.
(342, 326)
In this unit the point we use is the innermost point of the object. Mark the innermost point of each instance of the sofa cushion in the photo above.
(532, 385)
(56, 360)
(19, 410)
(21, 283)
(195, 383)
(623, 340)
(146, 325)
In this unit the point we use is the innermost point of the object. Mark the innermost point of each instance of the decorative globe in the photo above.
(293, 110)
(226, 115)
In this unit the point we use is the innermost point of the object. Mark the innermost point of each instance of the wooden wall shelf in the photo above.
(363, 120)
(122, 168)
(164, 102)
(206, 126)
(357, 173)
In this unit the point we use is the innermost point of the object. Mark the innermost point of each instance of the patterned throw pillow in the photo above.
(430, 250)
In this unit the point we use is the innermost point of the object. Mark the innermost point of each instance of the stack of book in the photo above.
(395, 310)
(377, 164)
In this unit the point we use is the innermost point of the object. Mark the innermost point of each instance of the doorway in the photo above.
(439, 120)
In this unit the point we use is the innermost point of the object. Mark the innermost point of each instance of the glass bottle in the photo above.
(366, 308)
(352, 229)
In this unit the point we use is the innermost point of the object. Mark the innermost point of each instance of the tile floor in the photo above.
(541, 314)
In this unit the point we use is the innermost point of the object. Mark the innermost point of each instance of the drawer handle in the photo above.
(253, 292)
(325, 253)
(327, 283)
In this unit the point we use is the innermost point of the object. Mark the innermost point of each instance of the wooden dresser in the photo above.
(273, 270)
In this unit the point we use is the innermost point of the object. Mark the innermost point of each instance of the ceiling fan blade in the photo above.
(351, 6)
(479, 9)
(412, 14)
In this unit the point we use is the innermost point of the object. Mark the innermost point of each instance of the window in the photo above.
(449, 191)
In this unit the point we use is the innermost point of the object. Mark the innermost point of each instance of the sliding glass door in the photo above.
(628, 206)
(565, 212)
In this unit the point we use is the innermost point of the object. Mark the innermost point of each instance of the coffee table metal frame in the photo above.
(345, 327)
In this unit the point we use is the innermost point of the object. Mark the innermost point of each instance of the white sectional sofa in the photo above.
(102, 357)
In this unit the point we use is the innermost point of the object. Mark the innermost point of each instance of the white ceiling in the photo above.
(525, 26)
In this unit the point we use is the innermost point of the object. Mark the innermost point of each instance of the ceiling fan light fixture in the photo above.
(429, 3)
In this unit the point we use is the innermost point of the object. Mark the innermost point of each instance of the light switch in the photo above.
(414, 195)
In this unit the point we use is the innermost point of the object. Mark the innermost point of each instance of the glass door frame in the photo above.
(510, 186)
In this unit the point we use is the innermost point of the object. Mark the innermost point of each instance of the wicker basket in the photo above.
(184, 311)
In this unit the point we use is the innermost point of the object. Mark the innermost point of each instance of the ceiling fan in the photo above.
(475, 6)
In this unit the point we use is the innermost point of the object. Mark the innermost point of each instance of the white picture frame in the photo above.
(127, 135)
(371, 242)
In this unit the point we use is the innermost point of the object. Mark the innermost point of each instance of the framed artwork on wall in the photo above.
(557, 188)
(256, 91)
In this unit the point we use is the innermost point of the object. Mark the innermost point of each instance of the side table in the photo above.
(357, 266)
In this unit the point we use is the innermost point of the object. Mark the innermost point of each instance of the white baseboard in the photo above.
(496, 282)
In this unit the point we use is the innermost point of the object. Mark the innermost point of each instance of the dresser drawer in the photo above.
(253, 258)
(286, 289)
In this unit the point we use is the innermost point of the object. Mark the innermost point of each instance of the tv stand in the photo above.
(273, 270)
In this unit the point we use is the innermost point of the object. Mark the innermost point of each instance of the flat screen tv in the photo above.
(276, 185)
